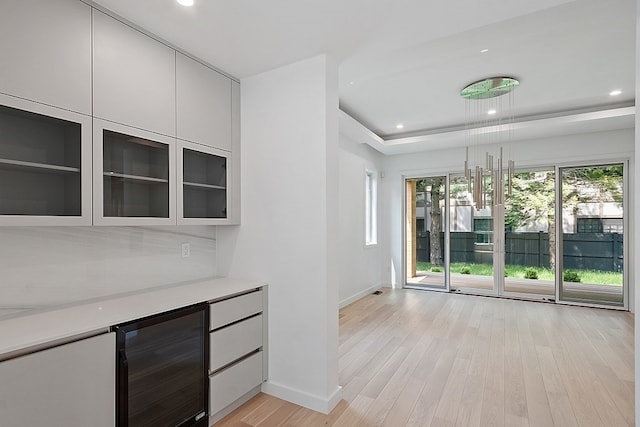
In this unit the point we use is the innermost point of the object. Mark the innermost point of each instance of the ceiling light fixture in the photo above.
(485, 184)
(484, 51)
(399, 126)
(185, 2)
(615, 92)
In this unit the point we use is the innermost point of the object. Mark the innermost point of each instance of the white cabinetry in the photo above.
(45, 164)
(133, 77)
(72, 385)
(203, 104)
(133, 176)
(203, 195)
(46, 52)
(234, 175)
(236, 354)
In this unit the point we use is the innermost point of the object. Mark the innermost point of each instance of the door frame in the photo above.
(405, 285)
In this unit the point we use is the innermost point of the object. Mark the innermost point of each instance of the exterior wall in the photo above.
(566, 150)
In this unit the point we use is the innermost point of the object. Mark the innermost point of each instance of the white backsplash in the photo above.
(49, 266)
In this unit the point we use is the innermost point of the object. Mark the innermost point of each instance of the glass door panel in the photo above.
(592, 235)
(425, 232)
(471, 236)
(529, 234)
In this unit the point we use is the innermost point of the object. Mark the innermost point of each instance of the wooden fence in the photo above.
(590, 251)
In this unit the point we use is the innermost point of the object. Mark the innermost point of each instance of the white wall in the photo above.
(288, 235)
(635, 232)
(46, 266)
(600, 146)
(360, 265)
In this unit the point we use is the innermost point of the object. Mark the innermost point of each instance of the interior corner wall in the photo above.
(288, 234)
(596, 146)
(361, 270)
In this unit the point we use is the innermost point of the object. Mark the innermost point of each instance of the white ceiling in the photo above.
(406, 61)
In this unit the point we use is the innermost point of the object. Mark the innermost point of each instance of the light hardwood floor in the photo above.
(419, 358)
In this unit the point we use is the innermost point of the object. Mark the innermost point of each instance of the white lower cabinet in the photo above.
(235, 341)
(234, 382)
(72, 385)
(236, 352)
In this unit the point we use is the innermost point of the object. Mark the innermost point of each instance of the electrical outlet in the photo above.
(186, 250)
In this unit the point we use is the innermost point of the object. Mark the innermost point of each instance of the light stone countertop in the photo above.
(35, 329)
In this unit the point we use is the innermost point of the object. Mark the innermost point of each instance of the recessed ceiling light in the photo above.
(352, 83)
(185, 2)
(491, 112)
(484, 51)
(615, 92)
(399, 126)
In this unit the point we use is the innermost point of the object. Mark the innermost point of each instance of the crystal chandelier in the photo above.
(488, 118)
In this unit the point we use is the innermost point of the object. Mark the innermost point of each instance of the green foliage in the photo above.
(571, 276)
(437, 269)
(532, 198)
(595, 277)
(530, 273)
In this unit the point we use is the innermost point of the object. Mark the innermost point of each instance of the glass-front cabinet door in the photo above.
(133, 176)
(202, 184)
(45, 165)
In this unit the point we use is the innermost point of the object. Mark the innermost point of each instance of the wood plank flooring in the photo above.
(419, 358)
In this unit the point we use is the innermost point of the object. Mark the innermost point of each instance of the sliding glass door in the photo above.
(529, 234)
(591, 241)
(426, 246)
(558, 236)
(472, 242)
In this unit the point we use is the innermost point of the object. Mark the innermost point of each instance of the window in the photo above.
(600, 225)
(371, 208)
(589, 225)
(483, 230)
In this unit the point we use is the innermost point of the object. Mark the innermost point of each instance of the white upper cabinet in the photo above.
(45, 164)
(203, 104)
(203, 193)
(46, 52)
(134, 176)
(133, 77)
(234, 174)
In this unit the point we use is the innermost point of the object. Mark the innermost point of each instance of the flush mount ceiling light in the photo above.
(185, 2)
(485, 177)
(615, 92)
(484, 51)
(399, 126)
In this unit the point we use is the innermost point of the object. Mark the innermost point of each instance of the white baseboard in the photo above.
(345, 302)
(310, 401)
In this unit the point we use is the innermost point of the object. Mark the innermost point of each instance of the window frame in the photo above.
(370, 208)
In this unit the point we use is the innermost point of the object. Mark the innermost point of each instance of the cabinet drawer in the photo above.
(233, 309)
(233, 342)
(231, 384)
